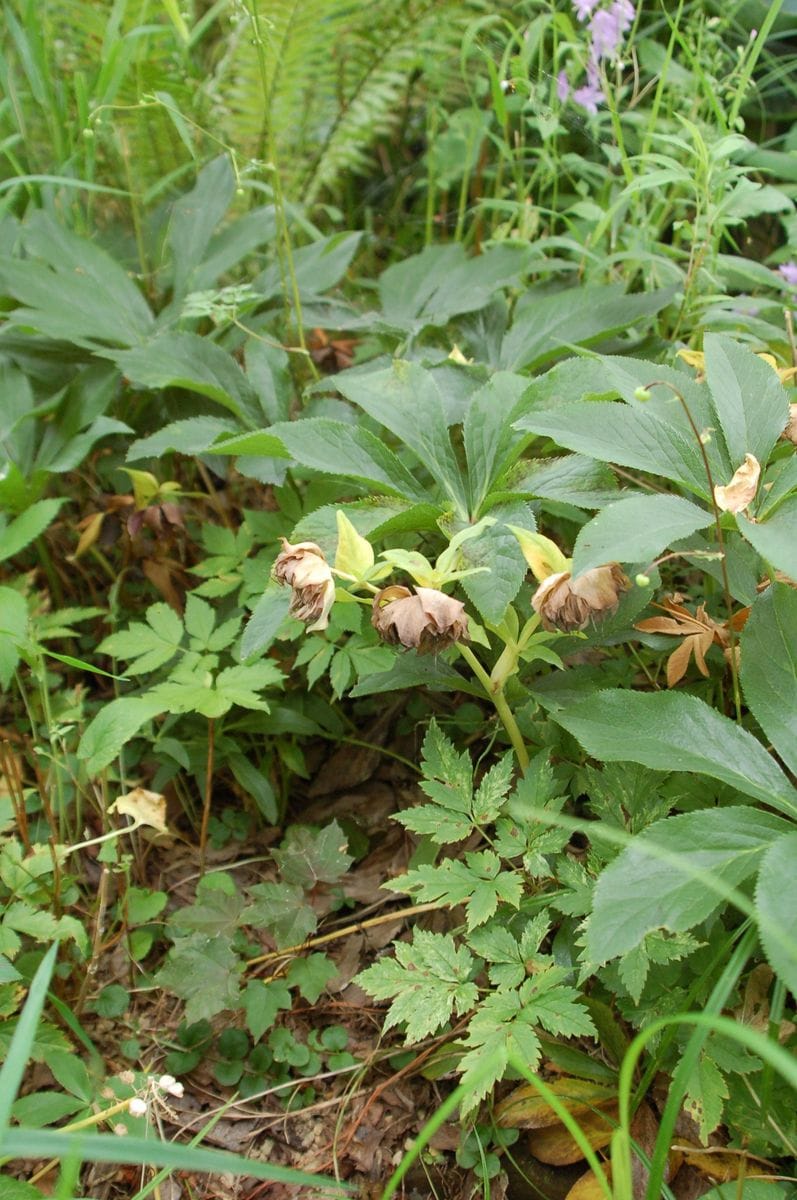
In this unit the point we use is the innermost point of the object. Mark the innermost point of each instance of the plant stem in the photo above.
(203, 834)
(501, 707)
(734, 666)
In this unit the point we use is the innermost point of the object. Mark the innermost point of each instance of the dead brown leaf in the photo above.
(699, 631)
(525, 1108)
(557, 1146)
(735, 496)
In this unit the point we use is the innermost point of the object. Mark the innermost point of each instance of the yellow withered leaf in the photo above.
(525, 1108)
(557, 1146)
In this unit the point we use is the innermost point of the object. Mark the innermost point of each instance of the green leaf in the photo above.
(774, 537)
(113, 1001)
(311, 975)
(317, 267)
(441, 282)
(769, 668)
(545, 326)
(490, 442)
(25, 528)
(428, 979)
(72, 289)
(13, 629)
(240, 685)
(308, 856)
(144, 905)
(193, 435)
(642, 890)
(477, 882)
(619, 433)
(570, 479)
(262, 1001)
(195, 216)
(635, 530)
(280, 908)
(776, 910)
(44, 1108)
(348, 451)
(112, 728)
(706, 1092)
(147, 646)
(194, 363)
(750, 401)
(497, 549)
(405, 399)
(265, 621)
(413, 670)
(205, 972)
(663, 728)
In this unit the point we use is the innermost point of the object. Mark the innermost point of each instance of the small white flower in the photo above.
(120, 1130)
(169, 1084)
(137, 1107)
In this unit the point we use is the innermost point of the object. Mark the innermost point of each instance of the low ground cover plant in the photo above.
(398, 519)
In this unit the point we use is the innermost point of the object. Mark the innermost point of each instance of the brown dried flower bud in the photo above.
(566, 603)
(790, 431)
(427, 621)
(304, 567)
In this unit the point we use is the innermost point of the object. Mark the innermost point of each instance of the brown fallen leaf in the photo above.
(525, 1108)
(557, 1146)
(722, 1165)
(698, 630)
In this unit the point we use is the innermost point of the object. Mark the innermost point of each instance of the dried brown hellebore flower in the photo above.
(790, 431)
(741, 490)
(566, 603)
(304, 567)
(427, 621)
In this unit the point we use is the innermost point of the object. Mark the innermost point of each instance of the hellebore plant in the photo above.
(427, 620)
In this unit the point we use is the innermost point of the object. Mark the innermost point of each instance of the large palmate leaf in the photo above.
(749, 399)
(442, 282)
(662, 879)
(194, 218)
(349, 451)
(636, 529)
(491, 444)
(667, 730)
(186, 360)
(70, 289)
(769, 668)
(405, 399)
(545, 326)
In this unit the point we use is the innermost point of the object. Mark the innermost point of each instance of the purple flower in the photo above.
(589, 97)
(607, 33)
(789, 272)
(584, 8)
(562, 86)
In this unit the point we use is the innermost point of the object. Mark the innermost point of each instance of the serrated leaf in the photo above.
(748, 397)
(262, 1001)
(25, 528)
(309, 856)
(659, 729)
(194, 363)
(659, 881)
(777, 912)
(706, 1093)
(769, 668)
(636, 529)
(405, 399)
(489, 440)
(348, 451)
(497, 549)
(265, 621)
(311, 975)
(112, 728)
(429, 979)
(774, 538)
(280, 908)
(205, 972)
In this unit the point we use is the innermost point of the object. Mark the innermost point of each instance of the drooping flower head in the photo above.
(427, 621)
(308, 573)
(566, 604)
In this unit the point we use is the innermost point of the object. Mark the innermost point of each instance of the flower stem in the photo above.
(501, 707)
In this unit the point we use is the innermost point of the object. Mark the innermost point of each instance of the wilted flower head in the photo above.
(304, 567)
(427, 621)
(741, 490)
(566, 603)
(790, 431)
